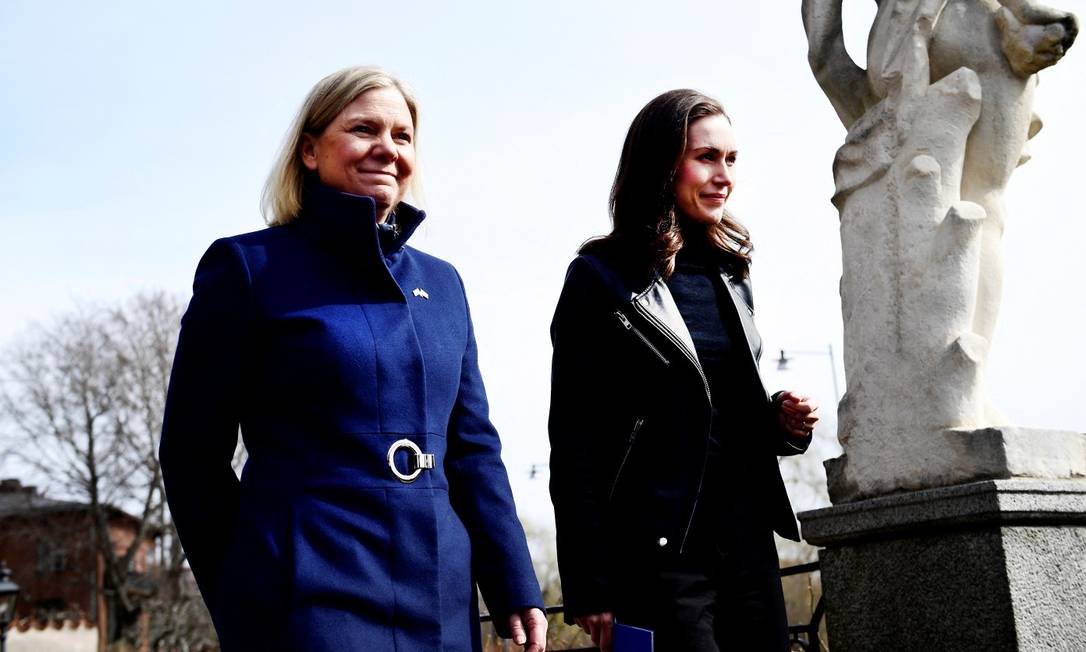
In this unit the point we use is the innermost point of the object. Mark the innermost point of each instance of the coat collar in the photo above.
(654, 298)
(350, 221)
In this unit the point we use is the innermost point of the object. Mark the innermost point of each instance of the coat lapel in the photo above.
(658, 302)
(746, 319)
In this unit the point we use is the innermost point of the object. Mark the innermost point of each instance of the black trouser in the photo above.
(717, 596)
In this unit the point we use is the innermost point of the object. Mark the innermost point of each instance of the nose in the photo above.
(723, 176)
(385, 149)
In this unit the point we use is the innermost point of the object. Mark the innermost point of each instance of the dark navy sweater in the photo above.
(709, 314)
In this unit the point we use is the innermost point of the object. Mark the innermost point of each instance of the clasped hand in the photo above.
(598, 627)
(796, 414)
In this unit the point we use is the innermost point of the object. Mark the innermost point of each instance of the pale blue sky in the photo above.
(136, 133)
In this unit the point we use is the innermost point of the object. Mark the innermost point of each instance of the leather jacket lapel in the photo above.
(658, 302)
(746, 319)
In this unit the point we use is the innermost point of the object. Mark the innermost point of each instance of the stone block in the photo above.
(993, 565)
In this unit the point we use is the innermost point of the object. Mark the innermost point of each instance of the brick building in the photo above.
(49, 545)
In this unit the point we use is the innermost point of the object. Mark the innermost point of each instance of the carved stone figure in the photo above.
(937, 123)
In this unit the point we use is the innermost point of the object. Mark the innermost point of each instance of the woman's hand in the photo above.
(796, 414)
(598, 627)
(529, 628)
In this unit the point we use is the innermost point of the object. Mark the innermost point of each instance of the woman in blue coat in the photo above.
(374, 499)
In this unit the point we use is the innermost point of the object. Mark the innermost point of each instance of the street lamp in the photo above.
(9, 595)
(782, 365)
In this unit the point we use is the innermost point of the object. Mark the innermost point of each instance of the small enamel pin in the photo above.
(420, 293)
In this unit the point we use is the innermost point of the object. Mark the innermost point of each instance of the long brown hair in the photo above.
(645, 226)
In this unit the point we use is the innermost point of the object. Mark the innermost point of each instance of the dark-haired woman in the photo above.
(664, 441)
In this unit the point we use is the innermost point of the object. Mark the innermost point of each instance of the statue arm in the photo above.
(843, 82)
(1034, 36)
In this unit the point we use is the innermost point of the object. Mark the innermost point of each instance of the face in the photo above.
(706, 174)
(368, 149)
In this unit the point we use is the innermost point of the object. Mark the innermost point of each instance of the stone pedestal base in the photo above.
(993, 565)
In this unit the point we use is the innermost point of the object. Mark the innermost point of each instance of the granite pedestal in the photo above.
(991, 565)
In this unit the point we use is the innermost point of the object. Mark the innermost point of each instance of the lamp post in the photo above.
(9, 595)
(782, 365)
(536, 469)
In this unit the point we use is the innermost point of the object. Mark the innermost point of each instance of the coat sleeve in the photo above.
(786, 444)
(480, 493)
(581, 396)
(200, 424)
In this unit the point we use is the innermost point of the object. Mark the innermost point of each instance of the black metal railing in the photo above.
(810, 629)
(555, 609)
(805, 635)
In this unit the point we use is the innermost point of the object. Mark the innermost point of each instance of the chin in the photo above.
(381, 195)
(709, 220)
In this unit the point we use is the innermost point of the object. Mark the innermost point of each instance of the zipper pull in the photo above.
(622, 318)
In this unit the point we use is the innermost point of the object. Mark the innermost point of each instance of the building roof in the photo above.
(19, 500)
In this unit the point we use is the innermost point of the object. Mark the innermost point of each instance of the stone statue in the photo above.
(937, 123)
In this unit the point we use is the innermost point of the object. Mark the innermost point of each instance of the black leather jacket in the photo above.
(630, 422)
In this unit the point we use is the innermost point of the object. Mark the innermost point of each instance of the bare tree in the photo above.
(83, 399)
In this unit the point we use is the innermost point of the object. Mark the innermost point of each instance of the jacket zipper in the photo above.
(625, 456)
(641, 336)
(662, 327)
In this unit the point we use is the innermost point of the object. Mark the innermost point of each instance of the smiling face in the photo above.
(705, 176)
(368, 149)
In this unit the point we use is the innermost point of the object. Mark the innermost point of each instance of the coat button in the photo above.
(662, 541)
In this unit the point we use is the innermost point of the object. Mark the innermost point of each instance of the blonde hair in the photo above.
(281, 201)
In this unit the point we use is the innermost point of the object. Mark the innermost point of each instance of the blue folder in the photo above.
(627, 638)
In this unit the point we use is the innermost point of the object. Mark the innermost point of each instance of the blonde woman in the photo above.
(374, 500)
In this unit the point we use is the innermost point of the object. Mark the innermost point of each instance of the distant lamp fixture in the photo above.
(785, 358)
(9, 595)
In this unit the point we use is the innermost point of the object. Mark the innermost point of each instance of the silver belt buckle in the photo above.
(420, 460)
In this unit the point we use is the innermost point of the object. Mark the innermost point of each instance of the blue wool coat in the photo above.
(326, 347)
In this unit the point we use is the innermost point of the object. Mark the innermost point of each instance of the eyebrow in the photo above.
(715, 150)
(369, 119)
